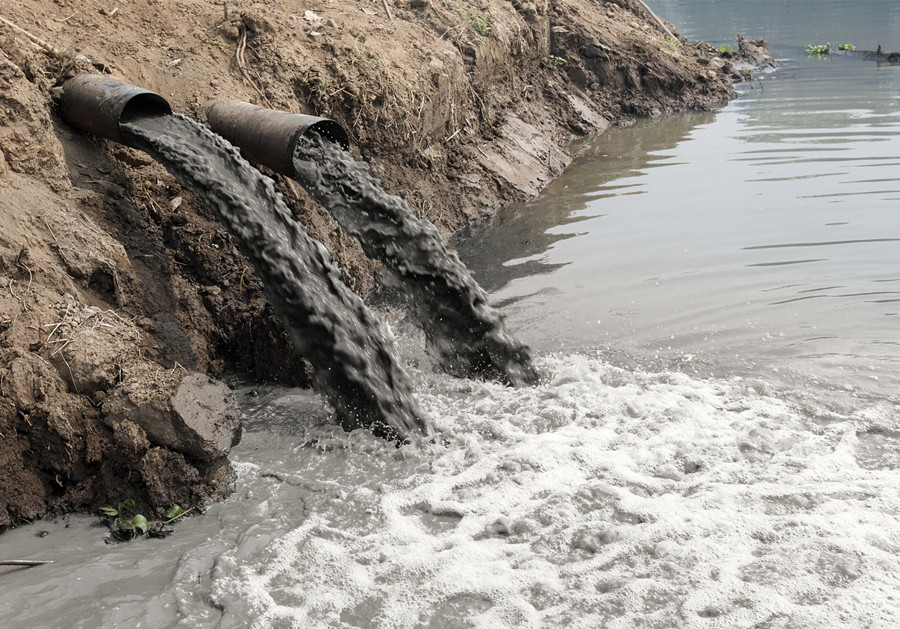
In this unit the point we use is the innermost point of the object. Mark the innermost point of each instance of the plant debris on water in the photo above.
(125, 523)
(822, 50)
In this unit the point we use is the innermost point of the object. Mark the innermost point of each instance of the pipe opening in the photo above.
(144, 105)
(98, 104)
(331, 131)
(267, 136)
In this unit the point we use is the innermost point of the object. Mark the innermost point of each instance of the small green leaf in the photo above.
(139, 522)
(173, 512)
(109, 511)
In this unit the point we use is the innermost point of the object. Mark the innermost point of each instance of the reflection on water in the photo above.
(608, 167)
(762, 239)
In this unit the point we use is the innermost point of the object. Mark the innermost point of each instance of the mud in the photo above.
(113, 276)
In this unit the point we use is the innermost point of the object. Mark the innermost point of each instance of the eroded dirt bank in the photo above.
(120, 295)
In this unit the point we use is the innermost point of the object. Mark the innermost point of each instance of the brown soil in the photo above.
(116, 286)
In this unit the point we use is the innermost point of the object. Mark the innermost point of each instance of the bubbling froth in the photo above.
(605, 497)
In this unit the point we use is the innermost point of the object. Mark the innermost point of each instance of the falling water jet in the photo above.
(353, 362)
(463, 329)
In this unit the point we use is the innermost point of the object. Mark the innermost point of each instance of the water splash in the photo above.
(352, 355)
(607, 498)
(463, 329)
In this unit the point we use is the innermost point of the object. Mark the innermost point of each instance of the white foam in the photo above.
(603, 498)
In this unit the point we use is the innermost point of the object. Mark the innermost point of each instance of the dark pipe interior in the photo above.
(143, 105)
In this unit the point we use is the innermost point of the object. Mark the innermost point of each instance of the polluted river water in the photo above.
(714, 303)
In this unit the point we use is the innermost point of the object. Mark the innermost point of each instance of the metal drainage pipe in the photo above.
(98, 104)
(267, 136)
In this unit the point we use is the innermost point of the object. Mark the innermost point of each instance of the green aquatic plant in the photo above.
(725, 48)
(818, 50)
(821, 50)
(126, 523)
(174, 513)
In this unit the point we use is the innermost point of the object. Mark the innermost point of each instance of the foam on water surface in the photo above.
(604, 497)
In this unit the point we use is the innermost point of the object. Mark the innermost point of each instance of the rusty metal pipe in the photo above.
(267, 136)
(98, 104)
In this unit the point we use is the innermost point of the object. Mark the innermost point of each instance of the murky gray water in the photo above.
(762, 237)
(714, 300)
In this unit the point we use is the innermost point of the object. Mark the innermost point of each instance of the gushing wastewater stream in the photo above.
(465, 332)
(353, 361)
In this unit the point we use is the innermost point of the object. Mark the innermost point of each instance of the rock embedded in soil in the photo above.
(185, 412)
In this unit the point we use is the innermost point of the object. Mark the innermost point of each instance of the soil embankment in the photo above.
(121, 296)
